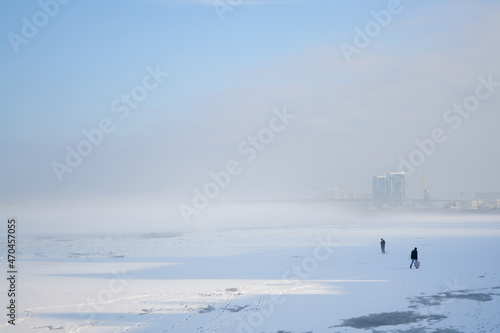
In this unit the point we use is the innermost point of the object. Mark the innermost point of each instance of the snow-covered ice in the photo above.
(328, 277)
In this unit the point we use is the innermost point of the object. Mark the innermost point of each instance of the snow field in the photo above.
(321, 278)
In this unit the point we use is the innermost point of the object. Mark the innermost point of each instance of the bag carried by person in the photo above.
(417, 264)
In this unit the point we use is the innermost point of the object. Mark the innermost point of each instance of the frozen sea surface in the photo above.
(316, 278)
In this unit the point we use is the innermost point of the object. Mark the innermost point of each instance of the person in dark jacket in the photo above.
(382, 245)
(413, 256)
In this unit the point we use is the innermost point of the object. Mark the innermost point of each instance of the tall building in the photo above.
(397, 186)
(390, 187)
(379, 188)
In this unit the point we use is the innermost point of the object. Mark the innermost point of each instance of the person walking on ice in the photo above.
(414, 258)
(382, 245)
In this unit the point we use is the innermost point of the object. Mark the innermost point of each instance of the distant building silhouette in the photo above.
(486, 200)
(389, 188)
(379, 188)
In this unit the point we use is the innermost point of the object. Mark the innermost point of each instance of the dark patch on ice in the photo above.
(423, 330)
(281, 331)
(206, 309)
(160, 235)
(433, 300)
(116, 255)
(480, 297)
(236, 308)
(95, 254)
(58, 240)
(145, 311)
(207, 294)
(388, 319)
(438, 299)
(231, 290)
(50, 328)
(411, 330)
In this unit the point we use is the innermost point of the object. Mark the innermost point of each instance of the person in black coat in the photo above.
(413, 256)
(382, 245)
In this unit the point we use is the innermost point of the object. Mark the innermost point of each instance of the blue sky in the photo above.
(354, 119)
